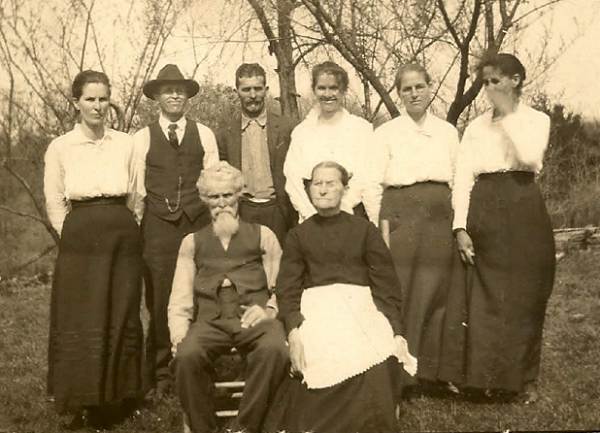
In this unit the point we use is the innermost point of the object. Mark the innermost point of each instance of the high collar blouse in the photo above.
(79, 168)
(407, 153)
(516, 142)
(346, 141)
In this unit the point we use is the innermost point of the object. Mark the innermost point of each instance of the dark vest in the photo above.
(172, 173)
(241, 264)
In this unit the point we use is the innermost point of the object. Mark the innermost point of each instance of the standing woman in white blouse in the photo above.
(416, 162)
(330, 133)
(504, 233)
(95, 342)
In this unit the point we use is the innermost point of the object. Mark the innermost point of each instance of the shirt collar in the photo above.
(80, 137)
(164, 123)
(427, 128)
(261, 120)
(315, 112)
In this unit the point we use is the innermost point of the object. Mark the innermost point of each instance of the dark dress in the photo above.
(95, 342)
(431, 275)
(322, 251)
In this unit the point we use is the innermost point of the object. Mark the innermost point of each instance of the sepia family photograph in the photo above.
(292, 216)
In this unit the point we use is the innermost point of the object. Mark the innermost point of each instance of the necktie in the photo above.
(173, 135)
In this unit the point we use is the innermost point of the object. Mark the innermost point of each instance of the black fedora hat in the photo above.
(170, 74)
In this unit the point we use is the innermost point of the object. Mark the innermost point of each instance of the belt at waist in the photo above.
(434, 182)
(100, 201)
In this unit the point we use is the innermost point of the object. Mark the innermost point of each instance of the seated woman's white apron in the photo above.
(343, 333)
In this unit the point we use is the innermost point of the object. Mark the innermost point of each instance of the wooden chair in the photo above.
(226, 390)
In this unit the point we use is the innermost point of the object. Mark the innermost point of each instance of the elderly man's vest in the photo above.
(241, 264)
(172, 173)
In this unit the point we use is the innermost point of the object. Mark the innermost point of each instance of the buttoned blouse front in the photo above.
(346, 142)
(516, 142)
(406, 153)
(80, 168)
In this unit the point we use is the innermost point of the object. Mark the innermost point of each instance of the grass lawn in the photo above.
(569, 381)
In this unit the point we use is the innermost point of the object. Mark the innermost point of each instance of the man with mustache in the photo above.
(256, 142)
(224, 276)
(170, 154)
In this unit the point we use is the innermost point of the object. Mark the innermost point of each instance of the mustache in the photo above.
(225, 211)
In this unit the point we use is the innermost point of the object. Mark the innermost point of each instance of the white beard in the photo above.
(225, 225)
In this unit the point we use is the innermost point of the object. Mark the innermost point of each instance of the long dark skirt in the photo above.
(361, 404)
(511, 281)
(431, 275)
(95, 344)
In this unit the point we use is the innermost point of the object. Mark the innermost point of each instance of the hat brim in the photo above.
(151, 87)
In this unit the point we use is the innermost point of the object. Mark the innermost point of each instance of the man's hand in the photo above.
(296, 352)
(409, 362)
(255, 314)
(465, 247)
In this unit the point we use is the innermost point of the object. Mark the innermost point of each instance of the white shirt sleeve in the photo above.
(529, 131)
(379, 158)
(464, 179)
(454, 145)
(293, 169)
(54, 187)
(360, 178)
(141, 145)
(270, 259)
(181, 302)
(209, 143)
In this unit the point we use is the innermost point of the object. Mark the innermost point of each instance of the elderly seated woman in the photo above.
(339, 299)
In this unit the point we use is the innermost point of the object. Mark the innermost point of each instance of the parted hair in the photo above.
(86, 77)
(221, 171)
(411, 67)
(330, 68)
(249, 70)
(344, 175)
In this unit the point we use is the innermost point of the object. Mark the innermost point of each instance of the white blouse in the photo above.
(516, 142)
(346, 142)
(78, 168)
(409, 153)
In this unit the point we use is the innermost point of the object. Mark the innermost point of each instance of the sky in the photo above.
(576, 75)
(573, 80)
(571, 27)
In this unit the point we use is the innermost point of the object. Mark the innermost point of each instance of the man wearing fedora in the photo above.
(256, 141)
(169, 156)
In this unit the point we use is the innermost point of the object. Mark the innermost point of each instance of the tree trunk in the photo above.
(285, 61)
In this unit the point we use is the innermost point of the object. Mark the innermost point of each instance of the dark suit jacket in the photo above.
(279, 128)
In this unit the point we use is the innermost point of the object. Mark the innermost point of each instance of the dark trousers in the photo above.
(267, 359)
(161, 241)
(268, 214)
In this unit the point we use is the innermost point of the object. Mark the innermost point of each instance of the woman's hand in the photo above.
(409, 362)
(465, 247)
(296, 352)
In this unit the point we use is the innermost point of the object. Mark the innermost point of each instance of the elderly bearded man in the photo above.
(225, 272)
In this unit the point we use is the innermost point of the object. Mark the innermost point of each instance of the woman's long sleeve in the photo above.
(464, 179)
(295, 173)
(290, 282)
(54, 188)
